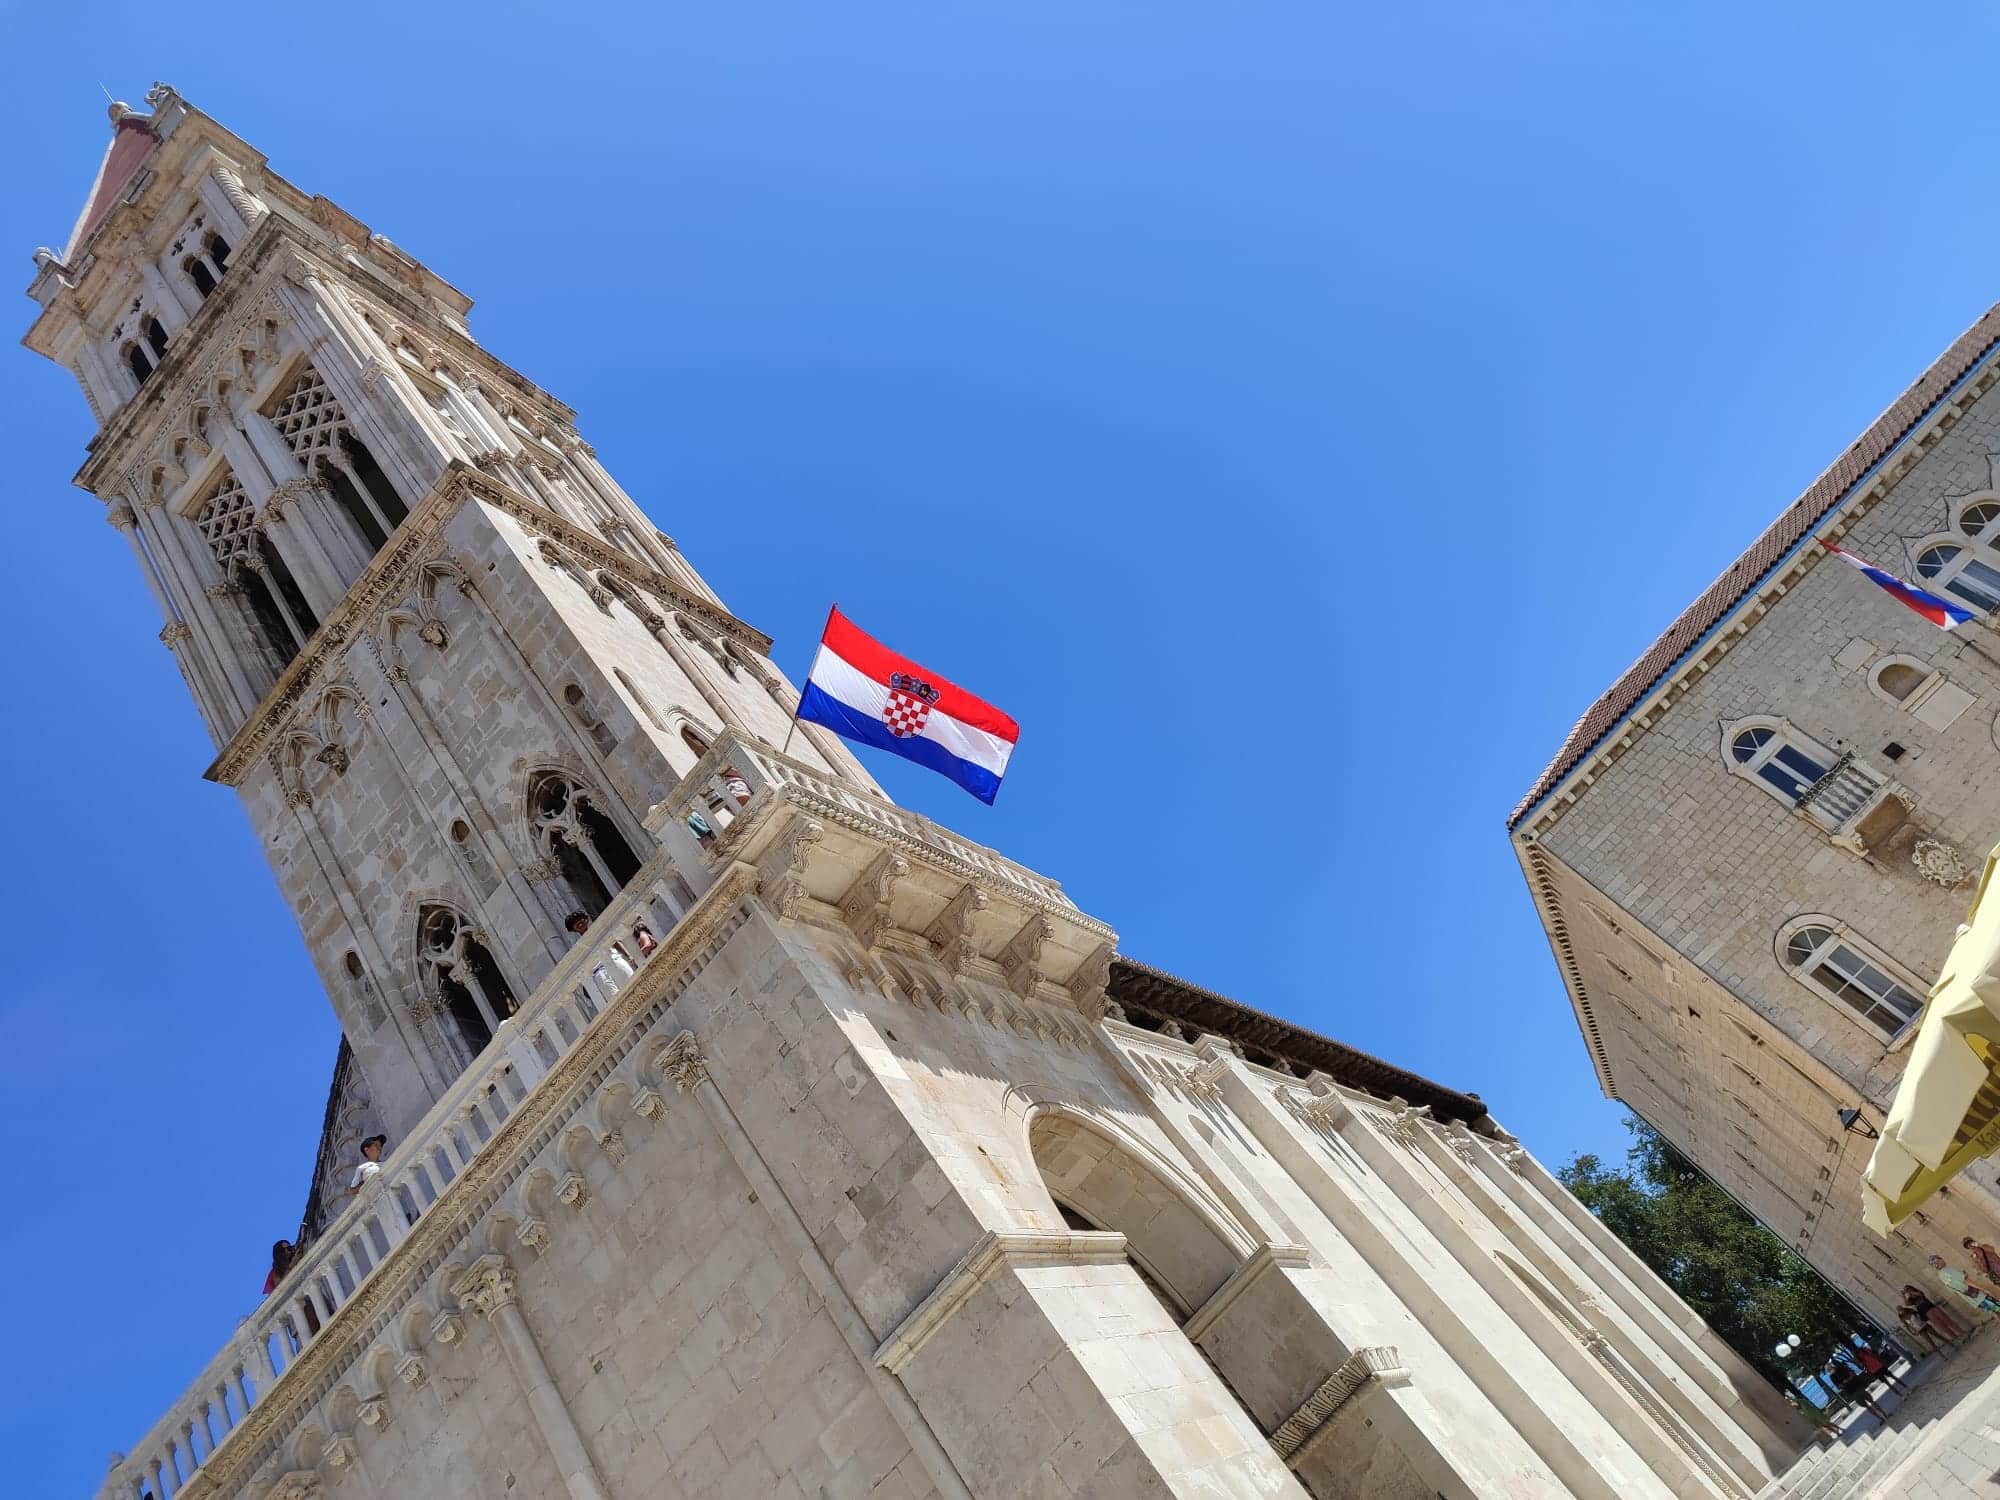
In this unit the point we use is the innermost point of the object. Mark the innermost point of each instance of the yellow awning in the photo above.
(1947, 1110)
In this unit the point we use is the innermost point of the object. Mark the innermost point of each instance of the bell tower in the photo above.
(446, 660)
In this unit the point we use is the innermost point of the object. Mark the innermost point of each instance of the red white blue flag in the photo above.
(861, 689)
(1940, 612)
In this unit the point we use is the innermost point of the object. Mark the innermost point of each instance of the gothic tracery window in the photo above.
(595, 861)
(459, 976)
(249, 562)
(314, 427)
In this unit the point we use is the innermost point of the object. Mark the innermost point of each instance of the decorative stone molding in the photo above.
(300, 1484)
(1380, 1364)
(573, 1191)
(374, 1412)
(951, 934)
(1515, 1158)
(1267, 1258)
(865, 907)
(1088, 983)
(174, 632)
(447, 1328)
(432, 633)
(682, 1060)
(779, 870)
(339, 1453)
(1939, 863)
(120, 517)
(1021, 959)
(1325, 1106)
(413, 1372)
(648, 1105)
(488, 1286)
(612, 1144)
(995, 1251)
(534, 1233)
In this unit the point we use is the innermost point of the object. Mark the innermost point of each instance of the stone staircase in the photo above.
(1935, 1445)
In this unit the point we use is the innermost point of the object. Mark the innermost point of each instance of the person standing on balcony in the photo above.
(643, 936)
(579, 924)
(371, 1162)
(282, 1255)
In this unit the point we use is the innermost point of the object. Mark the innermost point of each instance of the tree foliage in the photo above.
(1743, 1280)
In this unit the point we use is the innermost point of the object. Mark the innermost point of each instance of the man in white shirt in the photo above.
(371, 1162)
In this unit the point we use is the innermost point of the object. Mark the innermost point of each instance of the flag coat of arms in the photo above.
(862, 690)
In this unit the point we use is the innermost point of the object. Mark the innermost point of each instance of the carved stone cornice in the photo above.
(778, 871)
(995, 1251)
(1365, 1367)
(389, 577)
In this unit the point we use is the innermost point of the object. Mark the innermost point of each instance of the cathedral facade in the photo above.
(748, 1135)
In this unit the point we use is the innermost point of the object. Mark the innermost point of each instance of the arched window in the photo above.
(1786, 769)
(199, 273)
(1828, 958)
(249, 562)
(217, 249)
(460, 977)
(317, 431)
(155, 335)
(1958, 571)
(137, 362)
(588, 719)
(587, 847)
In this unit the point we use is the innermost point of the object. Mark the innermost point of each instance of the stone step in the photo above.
(1858, 1477)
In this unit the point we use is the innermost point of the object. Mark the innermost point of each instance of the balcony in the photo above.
(744, 821)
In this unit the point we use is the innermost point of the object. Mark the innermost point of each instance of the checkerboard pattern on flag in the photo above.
(862, 690)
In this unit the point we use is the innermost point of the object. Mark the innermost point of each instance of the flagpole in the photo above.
(800, 698)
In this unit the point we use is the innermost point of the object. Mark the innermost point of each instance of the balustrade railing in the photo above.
(726, 784)
(331, 1270)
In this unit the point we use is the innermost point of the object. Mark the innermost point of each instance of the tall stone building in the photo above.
(840, 1156)
(1752, 853)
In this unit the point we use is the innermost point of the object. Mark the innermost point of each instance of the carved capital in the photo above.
(1087, 984)
(223, 590)
(121, 517)
(573, 1191)
(1365, 1367)
(488, 1286)
(176, 631)
(374, 1412)
(648, 1105)
(412, 1370)
(339, 1453)
(446, 1328)
(431, 632)
(682, 1061)
(612, 1144)
(534, 1233)
(300, 1484)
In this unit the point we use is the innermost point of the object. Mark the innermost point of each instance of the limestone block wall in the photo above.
(1678, 880)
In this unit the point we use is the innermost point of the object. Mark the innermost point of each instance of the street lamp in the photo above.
(1851, 1122)
(1787, 1346)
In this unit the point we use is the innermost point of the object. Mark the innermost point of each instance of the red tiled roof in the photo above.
(132, 141)
(1743, 575)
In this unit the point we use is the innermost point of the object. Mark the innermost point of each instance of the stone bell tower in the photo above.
(840, 1156)
(298, 429)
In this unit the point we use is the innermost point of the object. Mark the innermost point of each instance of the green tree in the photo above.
(1743, 1280)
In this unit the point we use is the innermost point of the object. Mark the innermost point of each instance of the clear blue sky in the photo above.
(1293, 413)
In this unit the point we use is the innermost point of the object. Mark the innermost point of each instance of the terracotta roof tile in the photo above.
(1743, 575)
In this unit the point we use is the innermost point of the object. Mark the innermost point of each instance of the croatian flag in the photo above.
(859, 688)
(1940, 612)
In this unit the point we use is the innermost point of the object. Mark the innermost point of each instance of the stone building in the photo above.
(1752, 853)
(839, 1156)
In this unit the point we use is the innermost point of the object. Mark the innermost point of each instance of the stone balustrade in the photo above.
(726, 790)
(333, 1268)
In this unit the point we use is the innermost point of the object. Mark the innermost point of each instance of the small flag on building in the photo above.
(1940, 612)
(861, 689)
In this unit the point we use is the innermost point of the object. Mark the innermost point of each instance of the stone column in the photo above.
(490, 1287)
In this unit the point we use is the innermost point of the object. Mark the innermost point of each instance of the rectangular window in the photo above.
(1848, 977)
(1791, 771)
